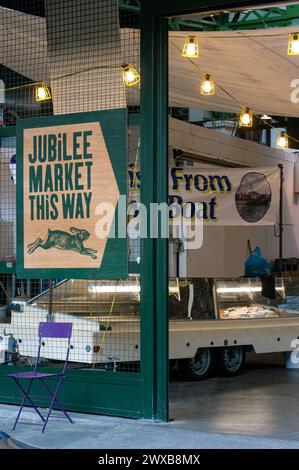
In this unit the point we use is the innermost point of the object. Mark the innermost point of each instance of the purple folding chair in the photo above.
(46, 330)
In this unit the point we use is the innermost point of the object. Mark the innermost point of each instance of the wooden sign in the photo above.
(68, 166)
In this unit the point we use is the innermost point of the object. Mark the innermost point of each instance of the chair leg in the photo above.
(25, 397)
(52, 402)
(56, 399)
(23, 401)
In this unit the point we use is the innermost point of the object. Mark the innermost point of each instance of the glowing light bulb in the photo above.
(282, 141)
(207, 87)
(246, 118)
(190, 48)
(130, 75)
(293, 47)
(42, 92)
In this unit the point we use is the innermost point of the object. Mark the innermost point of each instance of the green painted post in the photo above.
(161, 245)
(154, 189)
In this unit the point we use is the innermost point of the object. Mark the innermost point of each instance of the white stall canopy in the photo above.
(251, 65)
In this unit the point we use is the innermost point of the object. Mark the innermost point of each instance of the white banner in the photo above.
(228, 196)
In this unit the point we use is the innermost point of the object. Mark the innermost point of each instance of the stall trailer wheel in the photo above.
(199, 367)
(230, 361)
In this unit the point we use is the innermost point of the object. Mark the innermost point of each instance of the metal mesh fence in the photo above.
(74, 51)
(8, 199)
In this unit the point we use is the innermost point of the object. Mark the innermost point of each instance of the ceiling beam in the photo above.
(273, 16)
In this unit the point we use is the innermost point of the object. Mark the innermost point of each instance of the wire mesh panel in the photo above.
(59, 57)
(24, 63)
(104, 314)
(134, 194)
(8, 199)
(84, 55)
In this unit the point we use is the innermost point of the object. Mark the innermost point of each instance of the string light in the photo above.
(130, 75)
(282, 141)
(42, 92)
(207, 86)
(246, 118)
(191, 48)
(265, 121)
(293, 47)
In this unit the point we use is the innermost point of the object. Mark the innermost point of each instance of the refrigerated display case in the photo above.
(250, 298)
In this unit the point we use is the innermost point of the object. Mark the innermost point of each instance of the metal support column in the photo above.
(154, 189)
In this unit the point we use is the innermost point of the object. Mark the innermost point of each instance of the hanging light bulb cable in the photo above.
(205, 73)
(191, 61)
(240, 34)
(67, 75)
(231, 96)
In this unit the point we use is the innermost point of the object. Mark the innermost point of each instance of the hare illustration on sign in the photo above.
(64, 241)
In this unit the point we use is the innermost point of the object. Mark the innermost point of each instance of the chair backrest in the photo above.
(54, 330)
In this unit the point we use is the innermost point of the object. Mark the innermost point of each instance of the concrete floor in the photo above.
(263, 401)
(258, 409)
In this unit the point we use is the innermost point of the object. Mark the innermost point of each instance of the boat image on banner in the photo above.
(253, 197)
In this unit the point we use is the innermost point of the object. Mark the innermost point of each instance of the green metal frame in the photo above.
(7, 268)
(265, 18)
(8, 132)
(154, 189)
(252, 19)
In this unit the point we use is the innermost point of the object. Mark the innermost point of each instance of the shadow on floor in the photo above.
(6, 442)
